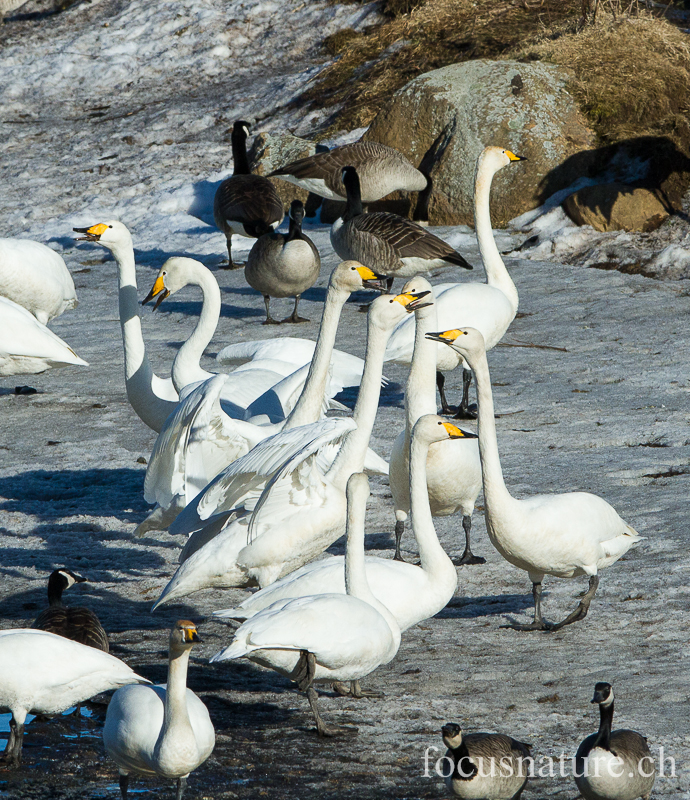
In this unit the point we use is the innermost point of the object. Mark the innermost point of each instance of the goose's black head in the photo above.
(297, 211)
(61, 579)
(350, 178)
(603, 694)
(452, 735)
(241, 128)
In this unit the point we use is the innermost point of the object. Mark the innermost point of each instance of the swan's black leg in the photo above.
(464, 411)
(389, 284)
(538, 624)
(582, 608)
(399, 530)
(13, 751)
(124, 785)
(354, 690)
(468, 557)
(440, 383)
(181, 786)
(304, 678)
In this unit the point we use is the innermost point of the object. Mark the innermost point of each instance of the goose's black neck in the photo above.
(239, 151)
(353, 208)
(56, 585)
(603, 739)
(464, 769)
(294, 230)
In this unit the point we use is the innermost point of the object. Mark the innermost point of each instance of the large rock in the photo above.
(617, 207)
(446, 117)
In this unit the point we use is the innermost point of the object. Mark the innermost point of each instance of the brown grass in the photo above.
(631, 67)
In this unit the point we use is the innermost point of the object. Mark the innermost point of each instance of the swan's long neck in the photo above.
(496, 272)
(356, 583)
(351, 455)
(432, 556)
(139, 375)
(176, 734)
(420, 392)
(496, 495)
(308, 407)
(186, 367)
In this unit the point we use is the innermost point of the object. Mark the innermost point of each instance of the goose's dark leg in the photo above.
(181, 786)
(399, 530)
(294, 317)
(124, 785)
(582, 608)
(269, 319)
(304, 677)
(440, 383)
(468, 557)
(538, 624)
(464, 411)
(354, 690)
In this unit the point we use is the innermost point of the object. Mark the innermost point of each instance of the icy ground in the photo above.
(607, 413)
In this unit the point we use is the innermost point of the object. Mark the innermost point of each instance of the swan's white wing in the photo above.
(22, 336)
(244, 480)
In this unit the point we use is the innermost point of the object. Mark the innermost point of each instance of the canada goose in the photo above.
(28, 347)
(613, 765)
(381, 170)
(489, 307)
(36, 277)
(239, 541)
(151, 397)
(564, 535)
(78, 623)
(42, 673)
(335, 637)
(485, 766)
(412, 594)
(387, 243)
(245, 204)
(453, 469)
(161, 730)
(284, 265)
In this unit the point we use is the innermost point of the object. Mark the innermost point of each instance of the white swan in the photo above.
(564, 535)
(490, 307)
(198, 439)
(36, 277)
(411, 593)
(301, 511)
(151, 397)
(161, 730)
(336, 637)
(28, 347)
(43, 673)
(453, 470)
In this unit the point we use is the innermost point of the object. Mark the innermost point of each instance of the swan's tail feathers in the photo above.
(239, 613)
(237, 649)
(374, 464)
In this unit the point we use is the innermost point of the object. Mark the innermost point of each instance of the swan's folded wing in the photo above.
(242, 481)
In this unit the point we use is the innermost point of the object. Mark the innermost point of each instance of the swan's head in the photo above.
(175, 274)
(350, 276)
(452, 735)
(387, 311)
(466, 341)
(357, 490)
(431, 428)
(109, 234)
(419, 287)
(183, 635)
(494, 158)
(603, 694)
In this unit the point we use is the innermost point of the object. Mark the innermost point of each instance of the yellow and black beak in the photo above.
(371, 279)
(158, 290)
(445, 337)
(191, 636)
(92, 234)
(513, 157)
(457, 433)
(412, 300)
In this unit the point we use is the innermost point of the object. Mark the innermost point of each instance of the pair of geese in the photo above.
(609, 765)
(284, 265)
(35, 287)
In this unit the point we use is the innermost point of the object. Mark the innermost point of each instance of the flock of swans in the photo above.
(249, 467)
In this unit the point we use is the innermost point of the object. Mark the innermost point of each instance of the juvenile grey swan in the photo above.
(245, 204)
(381, 170)
(387, 243)
(161, 730)
(77, 623)
(284, 264)
(486, 766)
(613, 765)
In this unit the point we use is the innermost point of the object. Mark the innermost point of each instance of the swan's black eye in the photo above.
(110, 226)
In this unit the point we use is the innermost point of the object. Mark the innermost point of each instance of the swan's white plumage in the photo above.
(27, 346)
(35, 277)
